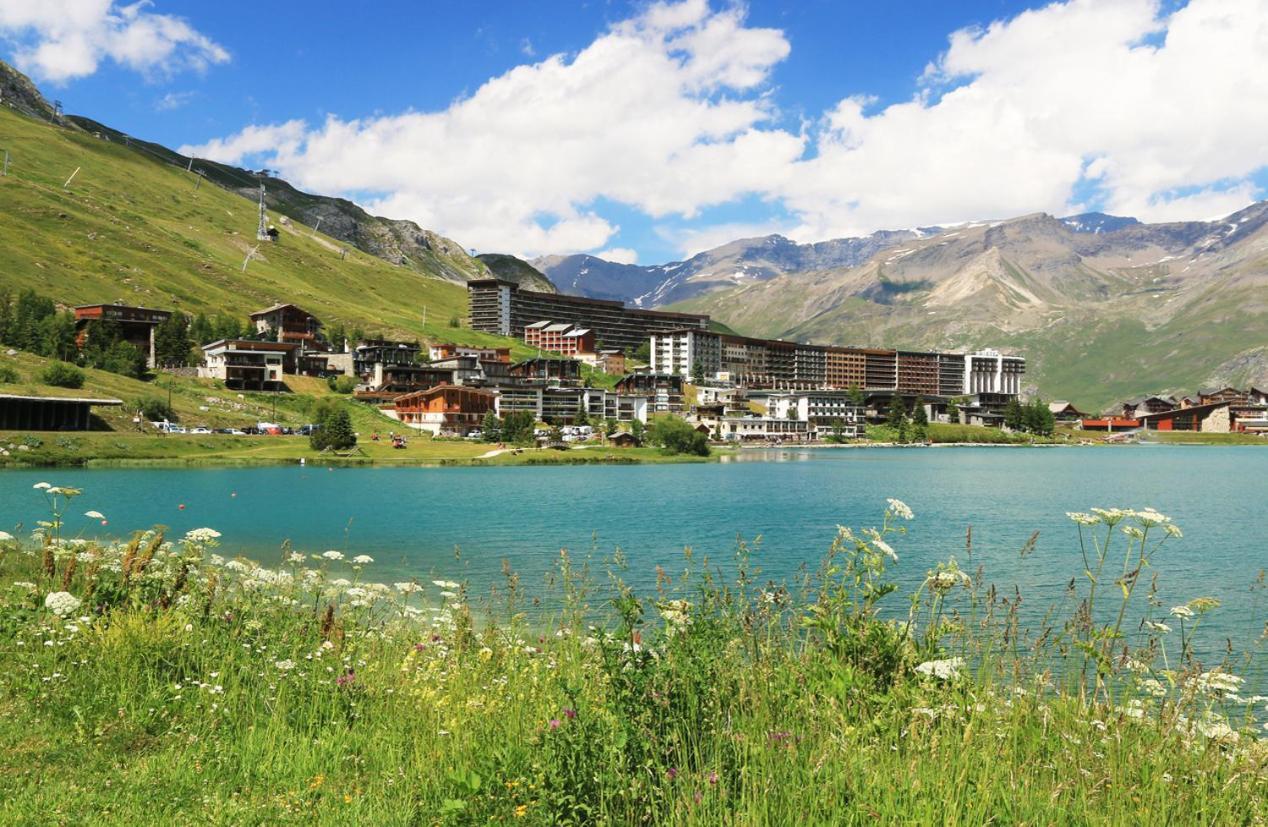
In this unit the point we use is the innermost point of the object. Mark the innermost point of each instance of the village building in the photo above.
(563, 338)
(622, 439)
(547, 369)
(504, 308)
(1213, 417)
(19, 412)
(664, 390)
(289, 324)
(1063, 411)
(444, 409)
(765, 429)
(1132, 408)
(244, 364)
(483, 354)
(827, 411)
(136, 325)
(609, 360)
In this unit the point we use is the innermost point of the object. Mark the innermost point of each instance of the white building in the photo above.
(679, 351)
(247, 365)
(824, 410)
(765, 429)
(990, 372)
(554, 404)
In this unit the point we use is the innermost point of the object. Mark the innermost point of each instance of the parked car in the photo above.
(308, 430)
(476, 435)
(201, 429)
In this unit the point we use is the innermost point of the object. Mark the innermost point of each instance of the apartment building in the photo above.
(824, 410)
(444, 409)
(560, 337)
(136, 325)
(290, 323)
(502, 307)
(247, 365)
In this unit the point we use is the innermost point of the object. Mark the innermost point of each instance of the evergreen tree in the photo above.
(29, 312)
(123, 358)
(6, 315)
(610, 427)
(582, 417)
(953, 410)
(200, 330)
(697, 372)
(338, 338)
(57, 336)
(334, 428)
(919, 421)
(491, 427)
(897, 412)
(637, 429)
(1014, 417)
(856, 396)
(172, 342)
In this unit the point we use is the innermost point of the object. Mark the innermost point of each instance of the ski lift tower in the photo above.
(263, 234)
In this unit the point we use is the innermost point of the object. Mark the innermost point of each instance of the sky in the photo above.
(648, 131)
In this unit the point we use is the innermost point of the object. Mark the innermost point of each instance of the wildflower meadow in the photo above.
(159, 680)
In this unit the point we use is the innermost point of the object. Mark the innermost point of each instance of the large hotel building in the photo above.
(766, 363)
(504, 308)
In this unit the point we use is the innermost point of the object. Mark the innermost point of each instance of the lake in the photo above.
(413, 520)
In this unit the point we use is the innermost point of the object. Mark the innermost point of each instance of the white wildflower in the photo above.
(24, 585)
(884, 547)
(295, 557)
(94, 515)
(445, 584)
(1158, 627)
(332, 555)
(1133, 532)
(201, 535)
(62, 604)
(1083, 518)
(362, 559)
(284, 665)
(341, 582)
(944, 670)
(5, 536)
(447, 594)
(1173, 530)
(407, 588)
(1182, 612)
(357, 593)
(44, 486)
(899, 509)
(1154, 687)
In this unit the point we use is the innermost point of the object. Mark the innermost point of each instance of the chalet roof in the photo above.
(538, 325)
(558, 327)
(278, 307)
(251, 344)
(1210, 406)
(581, 331)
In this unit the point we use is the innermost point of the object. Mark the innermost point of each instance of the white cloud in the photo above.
(1159, 115)
(1110, 94)
(173, 100)
(59, 40)
(620, 255)
(664, 112)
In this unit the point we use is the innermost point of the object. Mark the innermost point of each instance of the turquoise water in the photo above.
(412, 520)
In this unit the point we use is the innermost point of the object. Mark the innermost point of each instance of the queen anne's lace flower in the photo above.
(1182, 612)
(445, 584)
(5, 536)
(201, 535)
(62, 604)
(900, 509)
(332, 555)
(943, 670)
(94, 515)
(362, 559)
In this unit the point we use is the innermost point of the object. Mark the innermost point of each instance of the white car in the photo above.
(201, 429)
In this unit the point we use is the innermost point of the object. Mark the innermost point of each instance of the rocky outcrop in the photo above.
(18, 92)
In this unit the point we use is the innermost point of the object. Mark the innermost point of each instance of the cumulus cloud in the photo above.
(59, 40)
(620, 255)
(663, 112)
(1119, 105)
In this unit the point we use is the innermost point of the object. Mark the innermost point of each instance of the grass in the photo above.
(135, 230)
(184, 688)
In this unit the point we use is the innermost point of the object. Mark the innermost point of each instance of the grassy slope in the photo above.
(133, 229)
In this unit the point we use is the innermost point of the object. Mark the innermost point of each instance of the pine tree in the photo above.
(897, 412)
(491, 427)
(1014, 417)
(200, 330)
(172, 342)
(919, 421)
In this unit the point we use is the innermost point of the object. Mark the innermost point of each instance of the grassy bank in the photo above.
(156, 682)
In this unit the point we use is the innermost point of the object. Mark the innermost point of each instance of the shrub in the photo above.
(8, 375)
(334, 428)
(674, 435)
(342, 384)
(155, 409)
(123, 358)
(62, 375)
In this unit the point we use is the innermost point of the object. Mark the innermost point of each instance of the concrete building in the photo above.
(824, 410)
(502, 307)
(136, 325)
(49, 413)
(484, 354)
(243, 364)
(765, 429)
(664, 390)
(1212, 418)
(560, 337)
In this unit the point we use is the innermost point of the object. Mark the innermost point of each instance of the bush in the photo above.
(62, 375)
(334, 428)
(9, 376)
(123, 358)
(155, 409)
(674, 435)
(342, 384)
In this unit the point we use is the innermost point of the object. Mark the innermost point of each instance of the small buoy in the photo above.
(303, 461)
(181, 506)
(105, 522)
(233, 494)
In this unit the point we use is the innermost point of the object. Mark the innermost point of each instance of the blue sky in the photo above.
(648, 131)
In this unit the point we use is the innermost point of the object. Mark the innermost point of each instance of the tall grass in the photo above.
(154, 681)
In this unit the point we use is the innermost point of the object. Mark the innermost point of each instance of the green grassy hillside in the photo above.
(133, 229)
